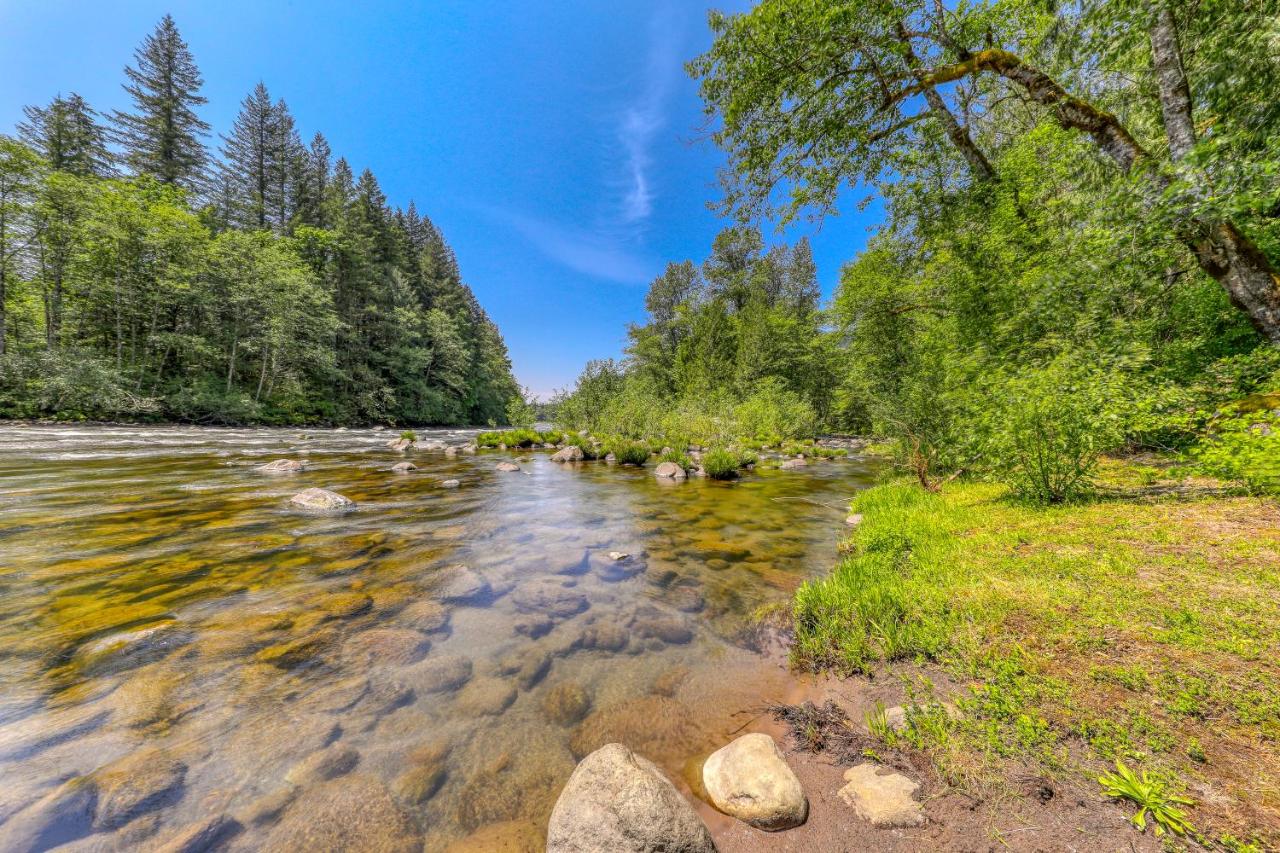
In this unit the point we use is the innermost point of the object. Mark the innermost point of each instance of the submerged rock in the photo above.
(508, 836)
(884, 800)
(426, 616)
(748, 779)
(450, 484)
(486, 697)
(653, 724)
(138, 783)
(671, 628)
(603, 635)
(321, 499)
(506, 466)
(463, 585)
(281, 466)
(403, 468)
(323, 765)
(130, 649)
(566, 703)
(200, 836)
(59, 817)
(441, 674)
(791, 464)
(393, 646)
(354, 812)
(550, 597)
(618, 801)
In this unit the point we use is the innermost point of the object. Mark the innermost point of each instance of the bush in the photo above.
(1048, 427)
(521, 438)
(631, 452)
(552, 436)
(720, 464)
(1243, 446)
(677, 457)
(489, 439)
(409, 435)
(772, 412)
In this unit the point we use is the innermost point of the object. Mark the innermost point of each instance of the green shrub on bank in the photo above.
(409, 435)
(1244, 447)
(552, 436)
(720, 464)
(630, 452)
(677, 457)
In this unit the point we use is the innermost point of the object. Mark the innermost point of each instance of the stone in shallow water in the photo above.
(297, 652)
(884, 800)
(200, 836)
(549, 597)
(149, 699)
(386, 646)
(439, 674)
(59, 817)
(618, 801)
(138, 783)
(655, 725)
(425, 775)
(566, 703)
(603, 636)
(529, 666)
(533, 626)
(281, 466)
(129, 649)
(321, 499)
(486, 697)
(450, 484)
(426, 616)
(354, 812)
(669, 682)
(462, 585)
(403, 468)
(334, 697)
(650, 622)
(749, 779)
(506, 467)
(323, 765)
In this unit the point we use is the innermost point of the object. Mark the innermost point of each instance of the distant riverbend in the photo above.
(187, 654)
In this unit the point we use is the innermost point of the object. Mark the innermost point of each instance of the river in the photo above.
(215, 661)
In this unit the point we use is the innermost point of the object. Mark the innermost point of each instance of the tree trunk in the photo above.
(1221, 249)
(262, 377)
(1171, 78)
(231, 361)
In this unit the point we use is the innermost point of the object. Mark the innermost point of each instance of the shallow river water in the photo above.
(183, 652)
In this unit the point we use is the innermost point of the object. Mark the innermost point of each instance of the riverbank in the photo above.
(1031, 648)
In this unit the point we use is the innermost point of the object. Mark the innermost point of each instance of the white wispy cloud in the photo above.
(645, 115)
(590, 252)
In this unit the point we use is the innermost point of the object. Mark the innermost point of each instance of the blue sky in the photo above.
(556, 143)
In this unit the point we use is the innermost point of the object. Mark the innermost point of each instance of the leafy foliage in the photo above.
(1151, 796)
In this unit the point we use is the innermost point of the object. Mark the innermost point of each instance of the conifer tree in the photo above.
(68, 136)
(247, 161)
(162, 135)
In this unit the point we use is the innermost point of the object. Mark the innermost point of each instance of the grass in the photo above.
(1143, 626)
(630, 452)
(720, 464)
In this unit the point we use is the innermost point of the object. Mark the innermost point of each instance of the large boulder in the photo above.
(669, 471)
(617, 801)
(281, 466)
(572, 453)
(748, 779)
(321, 499)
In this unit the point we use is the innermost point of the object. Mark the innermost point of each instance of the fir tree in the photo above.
(162, 136)
(68, 136)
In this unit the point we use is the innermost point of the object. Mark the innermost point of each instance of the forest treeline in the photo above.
(144, 276)
(1080, 252)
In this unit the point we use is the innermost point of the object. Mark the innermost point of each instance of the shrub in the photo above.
(1244, 447)
(677, 457)
(631, 452)
(720, 464)
(552, 436)
(521, 438)
(747, 457)
(489, 439)
(772, 412)
(1048, 427)
(409, 435)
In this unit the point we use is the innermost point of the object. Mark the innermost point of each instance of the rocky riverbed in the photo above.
(193, 659)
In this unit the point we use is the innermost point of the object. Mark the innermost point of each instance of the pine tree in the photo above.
(162, 136)
(68, 136)
(287, 155)
(246, 161)
(313, 183)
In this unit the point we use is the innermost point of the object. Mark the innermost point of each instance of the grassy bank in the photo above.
(1142, 626)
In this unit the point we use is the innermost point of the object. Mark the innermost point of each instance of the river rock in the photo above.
(610, 458)
(791, 464)
(529, 666)
(603, 635)
(566, 703)
(884, 800)
(403, 468)
(650, 622)
(749, 779)
(533, 625)
(323, 765)
(550, 597)
(138, 783)
(281, 466)
(450, 484)
(388, 646)
(321, 499)
(418, 784)
(59, 817)
(354, 812)
(464, 586)
(433, 445)
(669, 471)
(854, 519)
(400, 444)
(442, 674)
(620, 566)
(506, 466)
(486, 697)
(130, 649)
(268, 807)
(426, 616)
(618, 801)
(669, 682)
(657, 725)
(572, 453)
(200, 836)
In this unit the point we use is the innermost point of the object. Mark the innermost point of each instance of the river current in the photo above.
(182, 652)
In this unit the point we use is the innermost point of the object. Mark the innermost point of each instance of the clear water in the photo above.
(163, 606)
